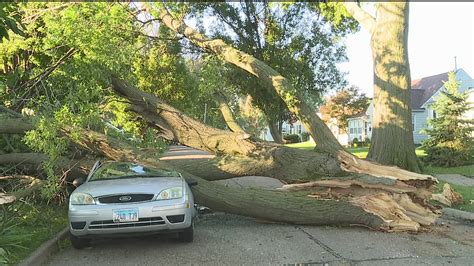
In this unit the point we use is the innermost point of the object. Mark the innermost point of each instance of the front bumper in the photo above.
(154, 216)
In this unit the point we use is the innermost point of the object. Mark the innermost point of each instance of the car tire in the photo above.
(188, 234)
(79, 243)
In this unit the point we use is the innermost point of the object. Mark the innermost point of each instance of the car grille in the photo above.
(106, 224)
(124, 197)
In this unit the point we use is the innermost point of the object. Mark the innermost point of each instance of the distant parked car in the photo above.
(121, 198)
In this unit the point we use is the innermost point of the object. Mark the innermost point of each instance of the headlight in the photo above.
(170, 193)
(81, 199)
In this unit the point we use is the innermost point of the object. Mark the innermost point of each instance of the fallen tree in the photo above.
(376, 202)
(384, 205)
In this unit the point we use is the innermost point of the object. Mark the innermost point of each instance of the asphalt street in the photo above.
(224, 239)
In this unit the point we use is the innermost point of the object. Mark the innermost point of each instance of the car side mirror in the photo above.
(78, 181)
(191, 182)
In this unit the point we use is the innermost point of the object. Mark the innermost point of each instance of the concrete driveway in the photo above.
(229, 239)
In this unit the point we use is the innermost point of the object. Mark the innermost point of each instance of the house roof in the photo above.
(361, 114)
(422, 89)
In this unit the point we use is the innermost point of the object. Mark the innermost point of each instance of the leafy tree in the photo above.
(450, 141)
(345, 103)
(291, 38)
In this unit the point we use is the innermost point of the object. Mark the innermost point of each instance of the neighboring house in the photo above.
(286, 129)
(360, 126)
(423, 94)
(298, 128)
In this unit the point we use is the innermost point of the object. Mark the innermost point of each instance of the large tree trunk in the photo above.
(274, 131)
(15, 126)
(227, 113)
(392, 137)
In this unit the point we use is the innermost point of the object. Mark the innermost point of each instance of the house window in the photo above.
(434, 114)
(299, 129)
(360, 130)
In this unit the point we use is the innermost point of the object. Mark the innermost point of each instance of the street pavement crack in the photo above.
(321, 244)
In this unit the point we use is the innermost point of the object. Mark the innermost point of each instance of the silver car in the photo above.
(120, 198)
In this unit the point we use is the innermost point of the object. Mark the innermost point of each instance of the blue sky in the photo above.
(437, 33)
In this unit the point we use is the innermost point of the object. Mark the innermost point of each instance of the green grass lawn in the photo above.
(361, 152)
(35, 225)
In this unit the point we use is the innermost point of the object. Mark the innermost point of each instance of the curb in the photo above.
(458, 215)
(41, 254)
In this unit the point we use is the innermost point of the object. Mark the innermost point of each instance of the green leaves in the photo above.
(450, 141)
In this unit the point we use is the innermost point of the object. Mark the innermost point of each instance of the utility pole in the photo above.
(455, 64)
(205, 113)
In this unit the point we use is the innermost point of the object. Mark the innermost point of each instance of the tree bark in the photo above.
(392, 138)
(15, 126)
(32, 163)
(227, 113)
(185, 129)
(274, 131)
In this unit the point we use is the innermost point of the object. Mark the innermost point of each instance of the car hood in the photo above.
(148, 185)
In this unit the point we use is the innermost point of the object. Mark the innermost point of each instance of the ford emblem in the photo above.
(125, 198)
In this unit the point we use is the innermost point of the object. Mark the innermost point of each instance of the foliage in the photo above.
(344, 104)
(9, 20)
(24, 227)
(292, 38)
(292, 138)
(450, 141)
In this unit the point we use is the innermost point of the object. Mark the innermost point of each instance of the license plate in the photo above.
(125, 215)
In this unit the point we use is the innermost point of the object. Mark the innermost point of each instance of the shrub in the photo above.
(292, 138)
(355, 143)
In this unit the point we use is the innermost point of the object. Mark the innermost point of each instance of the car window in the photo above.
(130, 170)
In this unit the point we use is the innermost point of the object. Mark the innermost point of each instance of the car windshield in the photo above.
(129, 170)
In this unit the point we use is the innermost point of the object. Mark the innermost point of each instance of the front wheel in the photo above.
(79, 243)
(188, 234)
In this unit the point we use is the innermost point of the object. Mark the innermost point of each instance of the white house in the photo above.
(360, 125)
(298, 128)
(423, 93)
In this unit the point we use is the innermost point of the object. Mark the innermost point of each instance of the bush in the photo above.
(355, 143)
(292, 138)
(448, 156)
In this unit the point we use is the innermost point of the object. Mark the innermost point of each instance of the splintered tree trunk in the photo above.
(392, 139)
(227, 114)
